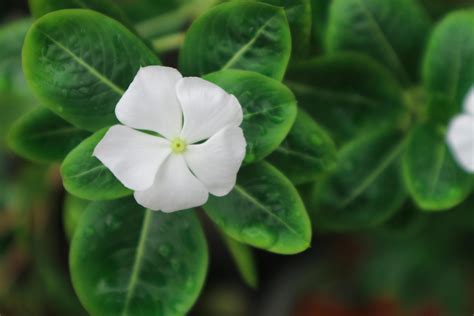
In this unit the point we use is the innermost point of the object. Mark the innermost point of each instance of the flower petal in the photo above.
(460, 138)
(469, 102)
(217, 161)
(150, 102)
(132, 156)
(175, 188)
(207, 109)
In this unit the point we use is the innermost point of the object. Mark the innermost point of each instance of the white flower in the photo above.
(460, 135)
(196, 146)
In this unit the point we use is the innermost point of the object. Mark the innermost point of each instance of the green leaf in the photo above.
(348, 94)
(12, 36)
(41, 135)
(86, 177)
(126, 260)
(299, 17)
(306, 152)
(365, 189)
(73, 209)
(269, 109)
(433, 178)
(79, 62)
(320, 16)
(449, 62)
(391, 31)
(238, 35)
(264, 210)
(39, 8)
(244, 260)
(15, 97)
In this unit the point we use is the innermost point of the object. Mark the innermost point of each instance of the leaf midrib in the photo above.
(257, 203)
(94, 72)
(385, 42)
(235, 58)
(298, 154)
(372, 176)
(137, 263)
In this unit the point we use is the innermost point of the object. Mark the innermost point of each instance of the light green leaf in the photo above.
(129, 261)
(448, 69)
(347, 94)
(86, 177)
(269, 109)
(365, 189)
(306, 152)
(264, 210)
(299, 17)
(434, 180)
(79, 62)
(41, 135)
(393, 32)
(244, 260)
(250, 36)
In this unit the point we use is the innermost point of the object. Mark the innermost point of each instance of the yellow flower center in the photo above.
(178, 146)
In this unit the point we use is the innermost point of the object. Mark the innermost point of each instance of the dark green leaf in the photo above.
(126, 260)
(79, 62)
(365, 189)
(12, 36)
(299, 17)
(238, 35)
(433, 178)
(449, 63)
(86, 177)
(39, 8)
(73, 209)
(320, 13)
(244, 260)
(306, 152)
(15, 97)
(348, 94)
(43, 136)
(269, 109)
(391, 31)
(263, 210)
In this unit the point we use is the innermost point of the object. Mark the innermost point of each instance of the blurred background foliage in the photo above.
(413, 264)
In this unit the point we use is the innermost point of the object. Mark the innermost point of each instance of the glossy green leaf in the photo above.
(41, 135)
(39, 8)
(79, 62)
(73, 209)
(244, 260)
(129, 261)
(365, 189)
(299, 17)
(86, 177)
(433, 178)
(449, 63)
(391, 31)
(306, 152)
(250, 36)
(269, 109)
(347, 94)
(264, 210)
